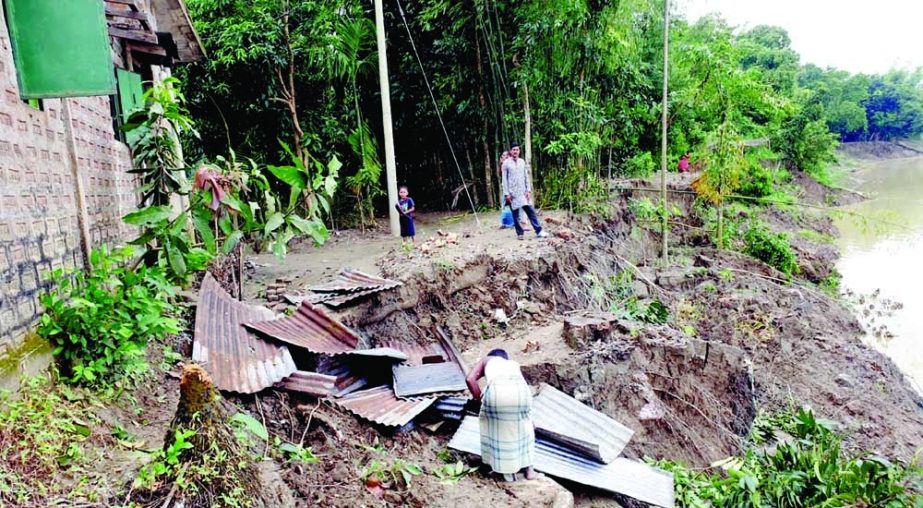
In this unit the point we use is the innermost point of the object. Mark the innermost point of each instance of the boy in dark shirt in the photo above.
(406, 207)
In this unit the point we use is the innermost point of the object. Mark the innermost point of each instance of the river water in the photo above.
(882, 250)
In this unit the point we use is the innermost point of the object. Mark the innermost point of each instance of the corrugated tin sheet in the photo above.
(236, 359)
(348, 286)
(411, 380)
(380, 352)
(562, 418)
(451, 408)
(348, 379)
(350, 281)
(381, 406)
(416, 353)
(310, 328)
(312, 383)
(443, 350)
(622, 476)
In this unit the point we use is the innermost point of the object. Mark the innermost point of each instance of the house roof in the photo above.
(173, 16)
(157, 27)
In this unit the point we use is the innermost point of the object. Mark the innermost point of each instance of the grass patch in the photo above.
(815, 236)
(44, 457)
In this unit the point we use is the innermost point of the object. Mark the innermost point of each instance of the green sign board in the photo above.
(60, 48)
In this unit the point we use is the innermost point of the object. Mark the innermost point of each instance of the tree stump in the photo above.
(214, 446)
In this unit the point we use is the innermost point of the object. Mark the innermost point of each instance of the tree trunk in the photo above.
(474, 190)
(528, 138)
(482, 100)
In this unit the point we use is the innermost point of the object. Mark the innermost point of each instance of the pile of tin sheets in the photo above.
(348, 286)
(578, 443)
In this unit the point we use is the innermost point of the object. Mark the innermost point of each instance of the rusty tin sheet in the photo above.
(237, 360)
(381, 406)
(310, 328)
(312, 383)
(564, 419)
(335, 300)
(622, 476)
(350, 281)
(348, 378)
(417, 353)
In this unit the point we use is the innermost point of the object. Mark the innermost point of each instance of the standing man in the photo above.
(517, 191)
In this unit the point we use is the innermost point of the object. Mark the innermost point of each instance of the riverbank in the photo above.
(738, 338)
(882, 149)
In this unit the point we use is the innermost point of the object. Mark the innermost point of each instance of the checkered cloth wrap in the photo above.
(507, 434)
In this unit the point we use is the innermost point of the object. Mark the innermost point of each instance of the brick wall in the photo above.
(38, 206)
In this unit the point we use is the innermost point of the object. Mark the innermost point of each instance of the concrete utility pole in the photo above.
(390, 169)
(663, 134)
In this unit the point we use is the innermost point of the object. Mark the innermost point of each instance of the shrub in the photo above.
(99, 321)
(574, 189)
(640, 166)
(810, 469)
(771, 248)
(758, 182)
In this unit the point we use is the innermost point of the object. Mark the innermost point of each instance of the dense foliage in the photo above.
(772, 248)
(798, 460)
(580, 80)
(100, 321)
(862, 107)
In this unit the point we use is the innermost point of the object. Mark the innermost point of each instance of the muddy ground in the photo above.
(741, 338)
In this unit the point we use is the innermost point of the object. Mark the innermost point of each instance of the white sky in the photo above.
(853, 35)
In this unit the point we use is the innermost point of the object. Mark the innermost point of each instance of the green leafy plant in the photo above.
(724, 168)
(41, 433)
(773, 249)
(641, 165)
(170, 358)
(297, 453)
(809, 469)
(615, 294)
(168, 242)
(450, 474)
(100, 321)
(309, 191)
(167, 459)
(831, 283)
(153, 132)
(365, 184)
(394, 474)
(247, 425)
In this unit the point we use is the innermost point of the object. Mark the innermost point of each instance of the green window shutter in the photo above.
(60, 48)
(131, 93)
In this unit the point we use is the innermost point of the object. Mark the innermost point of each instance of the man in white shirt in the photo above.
(517, 191)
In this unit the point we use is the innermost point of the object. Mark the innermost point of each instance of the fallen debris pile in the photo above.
(397, 384)
(577, 443)
(247, 349)
(350, 285)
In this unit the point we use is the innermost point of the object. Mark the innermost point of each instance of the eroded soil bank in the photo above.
(740, 338)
